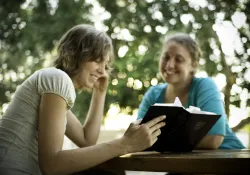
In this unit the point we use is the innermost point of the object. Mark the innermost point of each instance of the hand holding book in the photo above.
(184, 127)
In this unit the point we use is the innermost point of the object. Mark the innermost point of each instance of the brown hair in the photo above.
(79, 44)
(186, 41)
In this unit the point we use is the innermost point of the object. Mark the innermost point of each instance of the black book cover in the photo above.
(183, 129)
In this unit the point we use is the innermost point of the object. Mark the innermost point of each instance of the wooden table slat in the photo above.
(205, 161)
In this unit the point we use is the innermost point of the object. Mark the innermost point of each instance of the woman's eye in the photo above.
(106, 67)
(179, 59)
(166, 57)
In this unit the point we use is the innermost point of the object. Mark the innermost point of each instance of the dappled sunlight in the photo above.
(186, 18)
(137, 84)
(142, 49)
(161, 29)
(116, 119)
(154, 81)
(122, 51)
(147, 28)
(198, 4)
(236, 115)
(244, 138)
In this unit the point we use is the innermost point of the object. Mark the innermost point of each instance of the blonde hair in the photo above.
(79, 44)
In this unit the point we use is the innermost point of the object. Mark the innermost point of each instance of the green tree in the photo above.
(148, 21)
(29, 31)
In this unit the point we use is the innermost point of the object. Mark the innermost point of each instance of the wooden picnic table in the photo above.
(200, 161)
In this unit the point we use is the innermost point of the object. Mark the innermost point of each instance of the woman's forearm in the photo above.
(70, 161)
(210, 142)
(93, 122)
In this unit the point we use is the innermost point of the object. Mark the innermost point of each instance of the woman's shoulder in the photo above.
(53, 80)
(158, 87)
(53, 75)
(51, 72)
(203, 82)
(204, 86)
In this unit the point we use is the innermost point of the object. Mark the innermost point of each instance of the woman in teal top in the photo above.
(178, 64)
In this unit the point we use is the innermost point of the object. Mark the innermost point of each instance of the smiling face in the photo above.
(90, 72)
(81, 54)
(176, 65)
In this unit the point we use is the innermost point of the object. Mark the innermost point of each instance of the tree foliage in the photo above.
(163, 17)
(29, 31)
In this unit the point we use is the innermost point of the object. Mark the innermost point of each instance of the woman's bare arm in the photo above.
(87, 134)
(210, 142)
(54, 160)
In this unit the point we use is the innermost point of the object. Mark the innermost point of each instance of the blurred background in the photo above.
(30, 30)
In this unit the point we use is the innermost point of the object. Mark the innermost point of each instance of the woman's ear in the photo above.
(194, 67)
(195, 64)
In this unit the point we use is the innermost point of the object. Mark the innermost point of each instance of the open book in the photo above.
(184, 127)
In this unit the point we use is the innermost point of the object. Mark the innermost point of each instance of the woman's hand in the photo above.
(140, 137)
(102, 83)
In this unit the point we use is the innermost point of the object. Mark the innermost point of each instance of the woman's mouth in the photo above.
(169, 72)
(95, 78)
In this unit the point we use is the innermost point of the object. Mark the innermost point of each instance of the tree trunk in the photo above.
(241, 124)
(230, 79)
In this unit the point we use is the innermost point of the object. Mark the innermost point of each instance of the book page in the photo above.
(196, 110)
(165, 104)
(177, 103)
(191, 109)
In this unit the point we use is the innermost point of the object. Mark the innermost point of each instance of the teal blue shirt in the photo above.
(203, 93)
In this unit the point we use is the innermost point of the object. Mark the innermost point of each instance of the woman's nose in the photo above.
(101, 68)
(170, 63)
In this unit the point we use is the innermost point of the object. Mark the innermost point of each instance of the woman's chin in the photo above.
(90, 86)
(170, 80)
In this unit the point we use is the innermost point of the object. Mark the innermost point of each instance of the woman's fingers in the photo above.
(139, 137)
(102, 82)
(156, 127)
(156, 133)
(155, 121)
(154, 140)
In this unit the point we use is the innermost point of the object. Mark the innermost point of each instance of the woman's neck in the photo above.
(177, 90)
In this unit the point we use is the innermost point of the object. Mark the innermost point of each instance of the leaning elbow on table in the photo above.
(210, 142)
